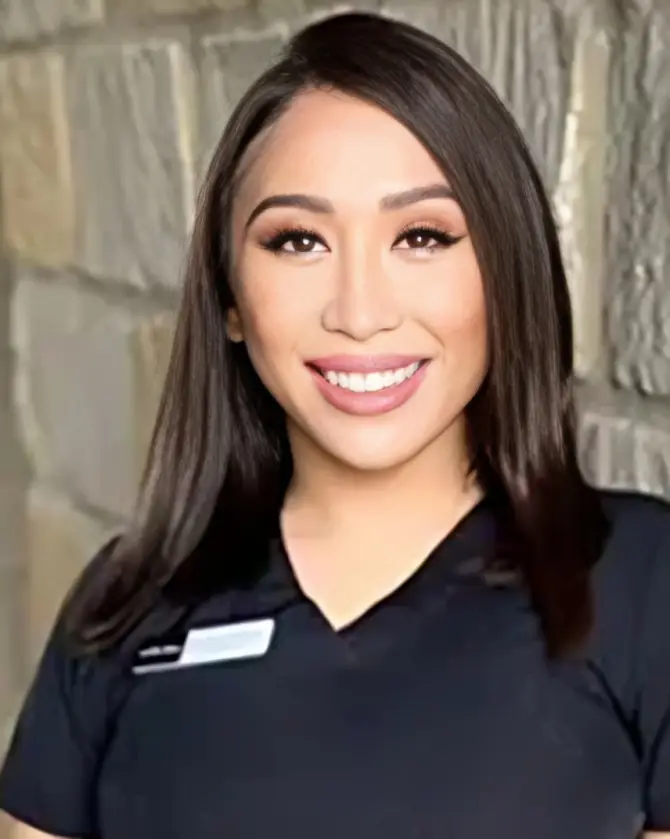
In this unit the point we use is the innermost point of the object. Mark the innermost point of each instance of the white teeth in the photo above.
(370, 382)
(374, 381)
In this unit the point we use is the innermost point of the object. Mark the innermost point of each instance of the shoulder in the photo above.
(630, 652)
(68, 715)
(64, 721)
(76, 692)
(627, 509)
(631, 584)
(637, 543)
(73, 689)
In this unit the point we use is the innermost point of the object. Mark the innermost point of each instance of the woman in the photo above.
(366, 592)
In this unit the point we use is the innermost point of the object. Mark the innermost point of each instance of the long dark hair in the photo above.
(219, 463)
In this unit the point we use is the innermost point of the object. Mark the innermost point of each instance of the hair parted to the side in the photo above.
(219, 462)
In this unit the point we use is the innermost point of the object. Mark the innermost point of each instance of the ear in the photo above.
(234, 326)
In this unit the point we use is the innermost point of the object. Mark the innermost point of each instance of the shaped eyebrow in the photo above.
(315, 204)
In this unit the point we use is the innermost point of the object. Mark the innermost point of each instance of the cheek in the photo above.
(456, 308)
(272, 315)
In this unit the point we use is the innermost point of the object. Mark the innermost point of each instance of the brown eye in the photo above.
(302, 244)
(418, 239)
(425, 239)
(295, 242)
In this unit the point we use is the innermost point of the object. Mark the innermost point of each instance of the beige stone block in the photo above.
(12, 635)
(138, 9)
(37, 196)
(74, 390)
(61, 541)
(131, 110)
(89, 378)
(624, 441)
(24, 19)
(638, 258)
(229, 65)
(580, 198)
(520, 47)
(297, 13)
(151, 344)
(12, 642)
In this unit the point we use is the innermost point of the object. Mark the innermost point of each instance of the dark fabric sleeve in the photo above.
(653, 666)
(50, 772)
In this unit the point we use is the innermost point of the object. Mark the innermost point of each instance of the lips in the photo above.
(368, 385)
(363, 363)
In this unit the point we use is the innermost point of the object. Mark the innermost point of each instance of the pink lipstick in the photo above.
(367, 385)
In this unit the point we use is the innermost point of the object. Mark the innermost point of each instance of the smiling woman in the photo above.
(366, 592)
(359, 300)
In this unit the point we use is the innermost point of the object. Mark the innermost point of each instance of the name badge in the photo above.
(208, 645)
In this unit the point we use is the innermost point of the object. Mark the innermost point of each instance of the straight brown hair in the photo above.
(219, 463)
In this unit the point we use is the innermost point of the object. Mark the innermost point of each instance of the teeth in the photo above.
(370, 382)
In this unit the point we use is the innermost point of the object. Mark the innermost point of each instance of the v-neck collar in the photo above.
(454, 563)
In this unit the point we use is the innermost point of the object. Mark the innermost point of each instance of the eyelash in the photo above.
(443, 239)
(288, 234)
(276, 242)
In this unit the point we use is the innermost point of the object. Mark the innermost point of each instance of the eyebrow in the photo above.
(314, 204)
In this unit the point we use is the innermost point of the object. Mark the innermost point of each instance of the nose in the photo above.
(362, 302)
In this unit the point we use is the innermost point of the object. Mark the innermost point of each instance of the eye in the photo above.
(295, 241)
(425, 238)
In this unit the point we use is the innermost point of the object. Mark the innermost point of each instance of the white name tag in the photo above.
(207, 645)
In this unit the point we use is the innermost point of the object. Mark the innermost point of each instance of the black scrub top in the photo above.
(434, 715)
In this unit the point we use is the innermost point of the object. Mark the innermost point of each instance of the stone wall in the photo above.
(106, 116)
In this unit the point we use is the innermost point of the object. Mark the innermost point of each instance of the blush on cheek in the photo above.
(266, 358)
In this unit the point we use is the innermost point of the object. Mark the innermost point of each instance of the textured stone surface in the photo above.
(639, 227)
(75, 391)
(13, 483)
(61, 541)
(150, 346)
(14, 472)
(37, 202)
(22, 19)
(228, 67)
(12, 556)
(141, 9)
(298, 12)
(131, 114)
(12, 646)
(523, 47)
(580, 197)
(626, 446)
(606, 448)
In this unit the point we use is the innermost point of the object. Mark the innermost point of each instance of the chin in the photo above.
(370, 463)
(372, 445)
(379, 456)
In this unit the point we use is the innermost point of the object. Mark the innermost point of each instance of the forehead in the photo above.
(333, 144)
